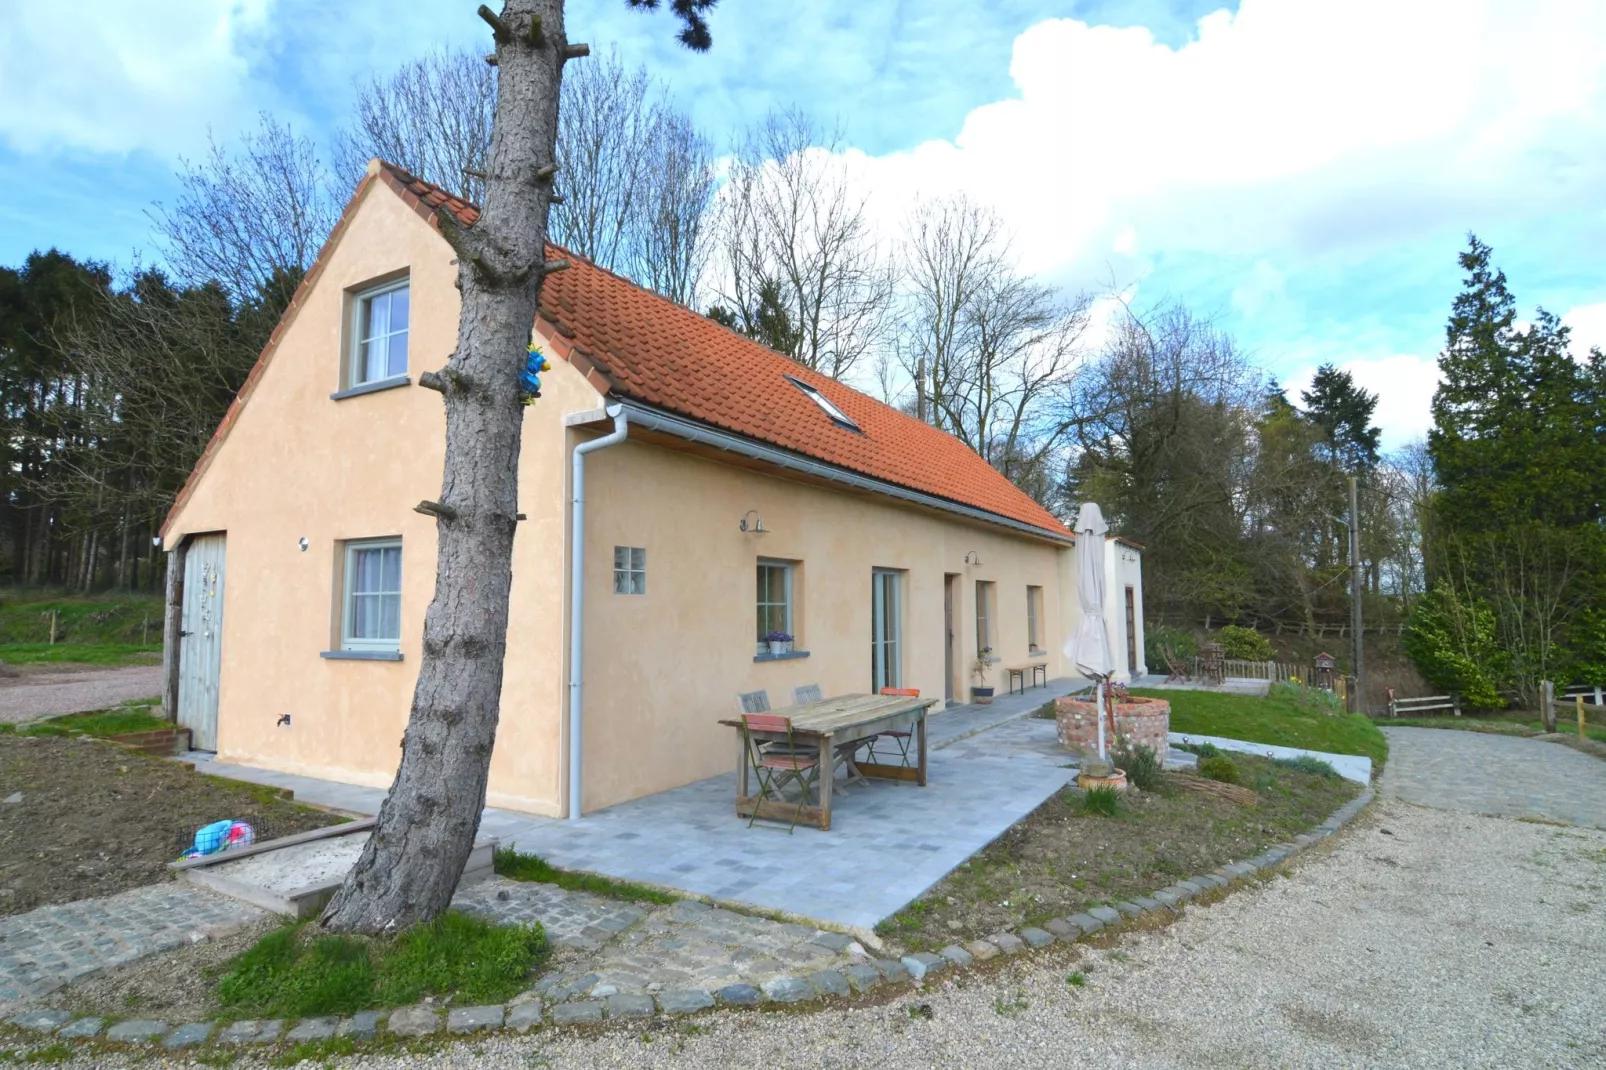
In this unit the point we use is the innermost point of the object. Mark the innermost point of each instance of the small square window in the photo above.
(629, 570)
(372, 602)
(379, 340)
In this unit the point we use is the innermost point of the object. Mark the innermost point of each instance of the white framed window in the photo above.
(372, 598)
(886, 629)
(1034, 617)
(774, 600)
(380, 317)
(629, 570)
(984, 617)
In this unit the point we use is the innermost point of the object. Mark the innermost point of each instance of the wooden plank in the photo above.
(770, 810)
(889, 772)
(328, 831)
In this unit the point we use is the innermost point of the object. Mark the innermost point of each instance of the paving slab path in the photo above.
(1491, 774)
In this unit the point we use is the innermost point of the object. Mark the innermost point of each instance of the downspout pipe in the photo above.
(577, 599)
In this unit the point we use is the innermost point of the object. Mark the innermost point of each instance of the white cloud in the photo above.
(1287, 130)
(112, 76)
(1588, 323)
(1404, 385)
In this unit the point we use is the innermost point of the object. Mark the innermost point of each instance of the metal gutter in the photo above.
(692, 431)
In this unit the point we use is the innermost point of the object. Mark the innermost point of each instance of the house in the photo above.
(730, 493)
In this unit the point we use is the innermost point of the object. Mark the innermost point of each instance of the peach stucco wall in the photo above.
(664, 667)
(661, 669)
(298, 464)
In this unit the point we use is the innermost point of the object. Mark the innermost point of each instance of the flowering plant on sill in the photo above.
(779, 642)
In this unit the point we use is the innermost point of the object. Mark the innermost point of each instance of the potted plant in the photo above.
(780, 642)
(981, 693)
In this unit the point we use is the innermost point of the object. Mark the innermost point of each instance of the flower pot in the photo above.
(981, 696)
(1116, 780)
(780, 646)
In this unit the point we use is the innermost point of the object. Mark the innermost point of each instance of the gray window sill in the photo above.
(369, 388)
(788, 656)
(361, 655)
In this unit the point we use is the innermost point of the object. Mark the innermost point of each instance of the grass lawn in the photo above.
(121, 721)
(1511, 723)
(298, 971)
(1272, 720)
(75, 653)
(511, 864)
(1065, 857)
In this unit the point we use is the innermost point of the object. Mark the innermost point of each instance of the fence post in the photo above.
(52, 627)
(1547, 705)
(1597, 696)
(1581, 733)
(1455, 704)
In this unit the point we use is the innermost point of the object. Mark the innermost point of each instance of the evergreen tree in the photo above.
(1344, 412)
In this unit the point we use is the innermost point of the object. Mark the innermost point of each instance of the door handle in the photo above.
(184, 633)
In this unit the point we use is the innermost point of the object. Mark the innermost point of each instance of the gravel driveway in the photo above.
(1418, 938)
(24, 698)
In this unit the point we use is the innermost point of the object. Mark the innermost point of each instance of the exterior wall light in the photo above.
(757, 526)
(973, 557)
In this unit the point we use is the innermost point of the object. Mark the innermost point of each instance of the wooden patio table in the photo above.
(829, 724)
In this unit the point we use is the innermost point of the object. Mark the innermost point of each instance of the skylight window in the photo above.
(837, 416)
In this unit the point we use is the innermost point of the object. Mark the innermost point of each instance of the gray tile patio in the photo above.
(989, 766)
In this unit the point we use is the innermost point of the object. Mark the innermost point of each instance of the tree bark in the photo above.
(427, 824)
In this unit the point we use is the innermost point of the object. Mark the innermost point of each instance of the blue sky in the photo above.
(1306, 170)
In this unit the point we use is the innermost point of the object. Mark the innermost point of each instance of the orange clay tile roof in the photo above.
(648, 349)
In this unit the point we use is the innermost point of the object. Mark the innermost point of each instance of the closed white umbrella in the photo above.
(1089, 648)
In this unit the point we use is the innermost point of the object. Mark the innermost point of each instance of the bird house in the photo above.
(1325, 666)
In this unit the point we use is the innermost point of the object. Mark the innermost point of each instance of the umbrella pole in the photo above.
(1098, 695)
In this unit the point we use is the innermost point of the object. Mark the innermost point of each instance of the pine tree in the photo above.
(1343, 412)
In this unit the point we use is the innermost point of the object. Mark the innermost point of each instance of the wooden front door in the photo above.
(200, 659)
(1131, 633)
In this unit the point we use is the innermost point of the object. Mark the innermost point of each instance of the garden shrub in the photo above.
(1142, 765)
(1156, 637)
(1309, 699)
(1104, 801)
(1244, 644)
(1219, 767)
(1452, 643)
(1306, 763)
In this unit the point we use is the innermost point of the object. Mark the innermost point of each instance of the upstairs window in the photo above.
(379, 346)
(837, 416)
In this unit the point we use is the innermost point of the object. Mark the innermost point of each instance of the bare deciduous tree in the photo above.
(432, 116)
(636, 178)
(792, 225)
(253, 219)
(410, 866)
(987, 347)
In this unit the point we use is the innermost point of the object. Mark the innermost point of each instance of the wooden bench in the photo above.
(1038, 669)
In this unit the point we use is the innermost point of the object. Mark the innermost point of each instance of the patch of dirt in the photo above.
(96, 819)
(1060, 859)
(179, 986)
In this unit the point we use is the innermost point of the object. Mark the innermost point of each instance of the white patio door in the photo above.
(200, 657)
(886, 629)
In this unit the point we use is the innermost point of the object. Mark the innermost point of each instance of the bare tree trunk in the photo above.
(426, 827)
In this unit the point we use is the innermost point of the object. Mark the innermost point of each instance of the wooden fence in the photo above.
(1412, 707)
(1572, 704)
(1276, 671)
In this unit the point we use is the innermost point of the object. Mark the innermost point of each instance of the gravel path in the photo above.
(51, 694)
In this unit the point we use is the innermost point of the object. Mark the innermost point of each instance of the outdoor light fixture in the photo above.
(757, 527)
(303, 544)
(973, 557)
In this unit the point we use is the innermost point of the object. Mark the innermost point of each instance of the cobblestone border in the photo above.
(529, 1012)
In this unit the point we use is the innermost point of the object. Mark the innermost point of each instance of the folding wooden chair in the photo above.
(901, 737)
(775, 768)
